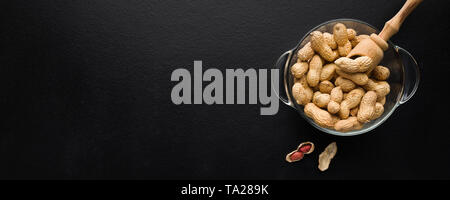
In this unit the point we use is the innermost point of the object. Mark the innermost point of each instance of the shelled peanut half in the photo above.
(338, 92)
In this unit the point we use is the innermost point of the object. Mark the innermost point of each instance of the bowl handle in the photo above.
(412, 74)
(282, 65)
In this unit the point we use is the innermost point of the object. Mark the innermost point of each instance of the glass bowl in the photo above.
(403, 79)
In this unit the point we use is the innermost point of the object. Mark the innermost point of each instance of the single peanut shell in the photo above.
(345, 84)
(381, 73)
(333, 107)
(302, 95)
(367, 107)
(341, 37)
(336, 94)
(340, 34)
(305, 53)
(326, 156)
(326, 87)
(321, 117)
(351, 34)
(382, 89)
(321, 100)
(346, 125)
(299, 69)
(288, 156)
(358, 78)
(328, 71)
(348, 65)
(315, 68)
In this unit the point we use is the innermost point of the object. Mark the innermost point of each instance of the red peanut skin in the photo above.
(297, 156)
(305, 148)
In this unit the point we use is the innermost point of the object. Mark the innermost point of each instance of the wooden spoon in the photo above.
(374, 46)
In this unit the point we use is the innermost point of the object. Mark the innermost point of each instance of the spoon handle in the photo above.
(392, 26)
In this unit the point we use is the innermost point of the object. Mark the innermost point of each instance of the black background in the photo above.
(86, 92)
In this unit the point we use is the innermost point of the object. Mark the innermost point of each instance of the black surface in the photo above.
(86, 92)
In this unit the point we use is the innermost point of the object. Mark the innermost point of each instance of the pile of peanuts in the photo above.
(338, 92)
